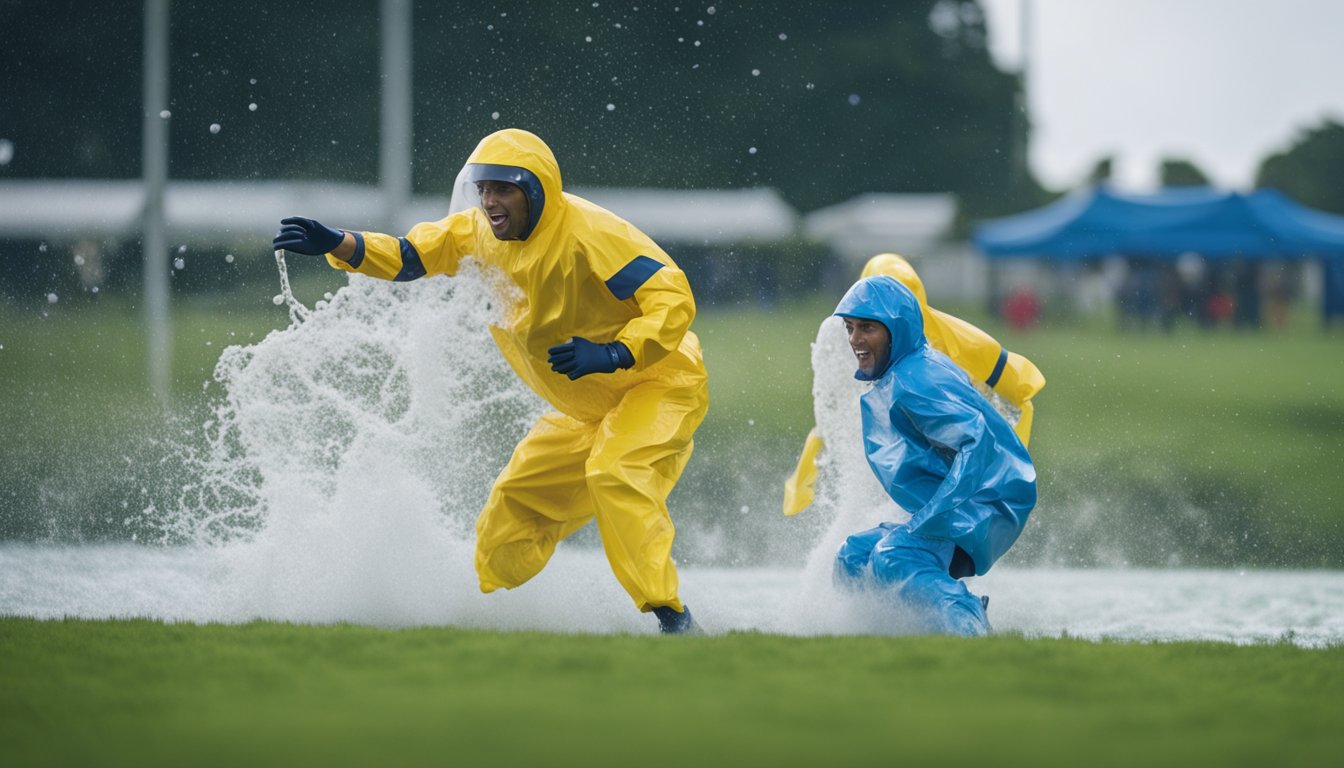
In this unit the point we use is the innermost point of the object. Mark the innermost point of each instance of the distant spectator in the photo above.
(1022, 310)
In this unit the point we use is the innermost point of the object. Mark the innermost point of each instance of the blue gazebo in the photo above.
(1099, 222)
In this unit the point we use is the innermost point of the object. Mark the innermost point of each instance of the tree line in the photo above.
(819, 100)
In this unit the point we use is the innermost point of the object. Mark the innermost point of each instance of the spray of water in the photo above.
(343, 465)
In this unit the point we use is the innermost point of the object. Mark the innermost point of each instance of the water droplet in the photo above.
(278, 299)
(228, 257)
(165, 114)
(710, 10)
(79, 260)
(751, 150)
(214, 127)
(52, 298)
(611, 107)
(494, 115)
(179, 263)
(755, 73)
(783, 36)
(6, 151)
(853, 99)
(252, 107)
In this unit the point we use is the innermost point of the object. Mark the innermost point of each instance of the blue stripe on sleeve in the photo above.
(411, 266)
(358, 258)
(998, 368)
(623, 284)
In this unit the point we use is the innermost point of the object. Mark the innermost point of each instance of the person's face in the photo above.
(506, 207)
(871, 342)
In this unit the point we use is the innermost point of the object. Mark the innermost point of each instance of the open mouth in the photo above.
(498, 220)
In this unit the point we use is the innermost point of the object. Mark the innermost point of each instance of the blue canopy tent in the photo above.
(1100, 222)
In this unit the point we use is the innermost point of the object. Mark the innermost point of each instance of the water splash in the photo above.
(297, 311)
(347, 455)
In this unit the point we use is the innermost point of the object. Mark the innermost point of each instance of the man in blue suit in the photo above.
(943, 453)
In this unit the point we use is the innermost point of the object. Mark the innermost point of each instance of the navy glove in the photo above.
(306, 236)
(581, 357)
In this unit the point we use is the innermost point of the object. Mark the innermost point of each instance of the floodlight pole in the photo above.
(1021, 105)
(394, 155)
(154, 161)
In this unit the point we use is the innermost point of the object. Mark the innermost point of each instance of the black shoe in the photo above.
(672, 623)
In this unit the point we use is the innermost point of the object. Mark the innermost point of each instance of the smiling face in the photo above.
(506, 207)
(871, 342)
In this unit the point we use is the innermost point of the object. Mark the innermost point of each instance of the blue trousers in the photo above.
(916, 570)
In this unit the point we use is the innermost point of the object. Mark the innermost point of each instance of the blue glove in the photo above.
(306, 236)
(581, 357)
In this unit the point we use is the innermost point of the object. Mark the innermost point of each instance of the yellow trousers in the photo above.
(619, 469)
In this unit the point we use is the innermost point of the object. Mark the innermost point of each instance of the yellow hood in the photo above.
(896, 266)
(521, 158)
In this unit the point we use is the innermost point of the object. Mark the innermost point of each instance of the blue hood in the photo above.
(885, 300)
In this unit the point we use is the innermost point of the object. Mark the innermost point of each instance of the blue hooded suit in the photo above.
(944, 454)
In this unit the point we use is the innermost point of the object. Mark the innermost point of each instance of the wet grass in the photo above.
(108, 693)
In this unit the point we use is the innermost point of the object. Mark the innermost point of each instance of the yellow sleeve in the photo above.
(430, 248)
(983, 358)
(800, 488)
(1023, 425)
(666, 307)
(1020, 381)
(973, 350)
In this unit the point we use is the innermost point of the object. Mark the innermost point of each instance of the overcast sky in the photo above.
(1219, 82)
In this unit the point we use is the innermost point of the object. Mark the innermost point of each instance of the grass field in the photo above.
(141, 693)
(1193, 448)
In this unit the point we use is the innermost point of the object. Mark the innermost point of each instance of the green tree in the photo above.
(1179, 172)
(820, 100)
(1102, 170)
(1311, 168)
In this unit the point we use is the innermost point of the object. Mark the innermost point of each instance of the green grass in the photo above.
(142, 693)
(1193, 448)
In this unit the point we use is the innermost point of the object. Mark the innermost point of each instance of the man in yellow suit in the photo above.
(600, 328)
(1007, 379)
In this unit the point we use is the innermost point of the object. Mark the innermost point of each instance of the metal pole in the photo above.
(154, 154)
(1021, 106)
(394, 156)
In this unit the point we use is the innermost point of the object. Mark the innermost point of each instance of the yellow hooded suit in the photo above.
(616, 443)
(1007, 374)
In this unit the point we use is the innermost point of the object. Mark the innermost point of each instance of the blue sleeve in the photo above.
(957, 430)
